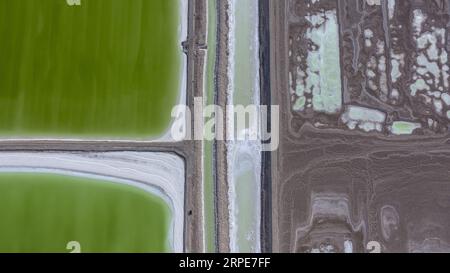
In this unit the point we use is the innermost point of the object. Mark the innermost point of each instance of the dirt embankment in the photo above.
(220, 149)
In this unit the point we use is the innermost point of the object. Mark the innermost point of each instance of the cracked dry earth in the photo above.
(364, 157)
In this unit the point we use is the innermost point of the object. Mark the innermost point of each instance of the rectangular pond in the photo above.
(103, 69)
(57, 213)
(244, 153)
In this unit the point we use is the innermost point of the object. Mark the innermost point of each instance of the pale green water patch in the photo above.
(246, 67)
(404, 127)
(247, 214)
(208, 176)
(245, 156)
(324, 72)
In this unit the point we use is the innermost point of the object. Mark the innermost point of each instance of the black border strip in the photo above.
(265, 99)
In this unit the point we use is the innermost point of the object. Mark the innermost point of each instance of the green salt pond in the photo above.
(208, 175)
(106, 68)
(245, 201)
(44, 212)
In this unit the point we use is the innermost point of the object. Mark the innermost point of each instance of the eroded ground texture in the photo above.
(365, 156)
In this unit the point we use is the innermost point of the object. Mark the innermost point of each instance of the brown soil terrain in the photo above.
(220, 147)
(335, 189)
